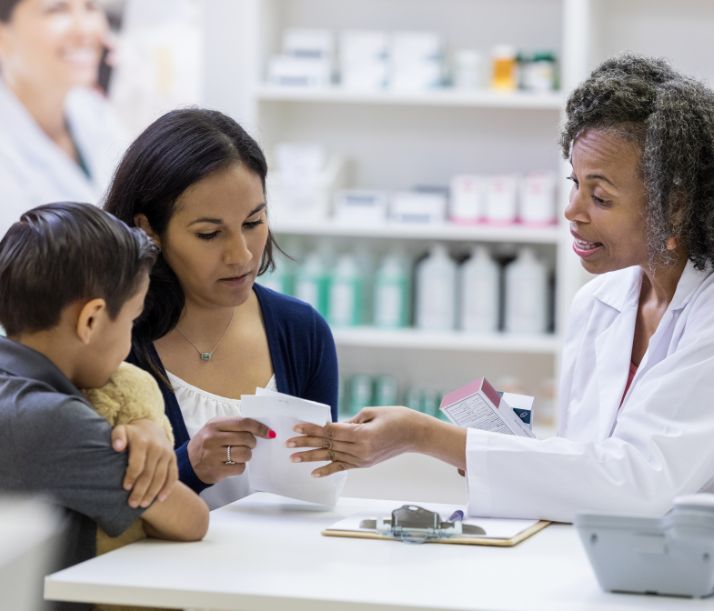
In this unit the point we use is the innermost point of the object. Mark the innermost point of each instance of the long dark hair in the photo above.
(6, 9)
(173, 153)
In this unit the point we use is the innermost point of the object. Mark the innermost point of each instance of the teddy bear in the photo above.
(130, 394)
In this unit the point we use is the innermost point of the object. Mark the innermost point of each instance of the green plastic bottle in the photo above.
(414, 398)
(386, 390)
(282, 278)
(392, 292)
(360, 393)
(346, 293)
(312, 283)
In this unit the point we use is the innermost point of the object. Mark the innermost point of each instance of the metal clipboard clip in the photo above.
(415, 524)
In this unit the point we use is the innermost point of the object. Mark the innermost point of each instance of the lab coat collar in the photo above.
(623, 291)
(622, 288)
(613, 346)
(690, 280)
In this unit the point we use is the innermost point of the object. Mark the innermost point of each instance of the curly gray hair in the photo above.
(670, 117)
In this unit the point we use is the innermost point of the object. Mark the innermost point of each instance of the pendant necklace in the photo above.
(207, 356)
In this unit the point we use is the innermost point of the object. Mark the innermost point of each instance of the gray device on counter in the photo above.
(672, 555)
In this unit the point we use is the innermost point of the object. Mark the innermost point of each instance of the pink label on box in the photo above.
(480, 384)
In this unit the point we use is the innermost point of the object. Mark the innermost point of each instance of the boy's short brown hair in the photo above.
(63, 252)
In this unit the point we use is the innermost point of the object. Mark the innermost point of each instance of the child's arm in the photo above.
(181, 517)
(132, 403)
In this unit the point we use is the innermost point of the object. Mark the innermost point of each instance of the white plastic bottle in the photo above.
(392, 292)
(312, 282)
(346, 290)
(436, 291)
(526, 294)
(478, 284)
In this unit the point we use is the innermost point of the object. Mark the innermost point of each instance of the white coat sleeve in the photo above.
(661, 446)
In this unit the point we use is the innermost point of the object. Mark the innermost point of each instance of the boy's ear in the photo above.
(142, 222)
(88, 319)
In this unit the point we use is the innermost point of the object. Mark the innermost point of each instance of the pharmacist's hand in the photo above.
(152, 471)
(372, 436)
(208, 449)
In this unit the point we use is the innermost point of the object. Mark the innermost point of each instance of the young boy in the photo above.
(72, 281)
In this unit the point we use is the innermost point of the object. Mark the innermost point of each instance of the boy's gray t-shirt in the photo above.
(53, 442)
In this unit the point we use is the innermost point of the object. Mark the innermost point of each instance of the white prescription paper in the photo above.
(270, 469)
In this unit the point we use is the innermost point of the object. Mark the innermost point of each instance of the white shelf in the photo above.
(442, 97)
(450, 341)
(404, 231)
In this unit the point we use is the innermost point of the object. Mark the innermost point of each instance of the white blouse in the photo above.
(198, 407)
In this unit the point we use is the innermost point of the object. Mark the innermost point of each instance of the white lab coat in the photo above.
(34, 170)
(629, 459)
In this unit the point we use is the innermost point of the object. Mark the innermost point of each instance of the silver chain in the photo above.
(207, 356)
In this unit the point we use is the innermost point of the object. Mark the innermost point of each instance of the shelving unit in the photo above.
(398, 140)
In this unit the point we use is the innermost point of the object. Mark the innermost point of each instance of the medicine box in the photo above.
(360, 206)
(364, 59)
(287, 70)
(479, 405)
(537, 199)
(466, 203)
(501, 198)
(417, 61)
(295, 197)
(309, 43)
(418, 207)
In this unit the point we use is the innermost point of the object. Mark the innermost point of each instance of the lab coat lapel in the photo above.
(661, 341)
(613, 349)
(48, 160)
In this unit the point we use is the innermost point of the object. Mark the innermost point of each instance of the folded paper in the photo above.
(270, 468)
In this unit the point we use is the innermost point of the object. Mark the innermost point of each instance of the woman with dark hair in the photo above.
(636, 423)
(194, 180)
(60, 139)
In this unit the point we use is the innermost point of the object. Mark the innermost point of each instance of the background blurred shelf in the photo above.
(414, 339)
(439, 98)
(402, 231)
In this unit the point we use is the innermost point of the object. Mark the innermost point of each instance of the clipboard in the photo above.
(425, 526)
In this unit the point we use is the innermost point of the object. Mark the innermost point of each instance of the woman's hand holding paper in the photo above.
(223, 446)
(374, 435)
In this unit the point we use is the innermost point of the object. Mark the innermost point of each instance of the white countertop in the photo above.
(265, 552)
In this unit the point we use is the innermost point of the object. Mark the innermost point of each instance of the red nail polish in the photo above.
(272, 434)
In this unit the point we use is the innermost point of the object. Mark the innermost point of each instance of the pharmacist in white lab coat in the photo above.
(58, 138)
(636, 425)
